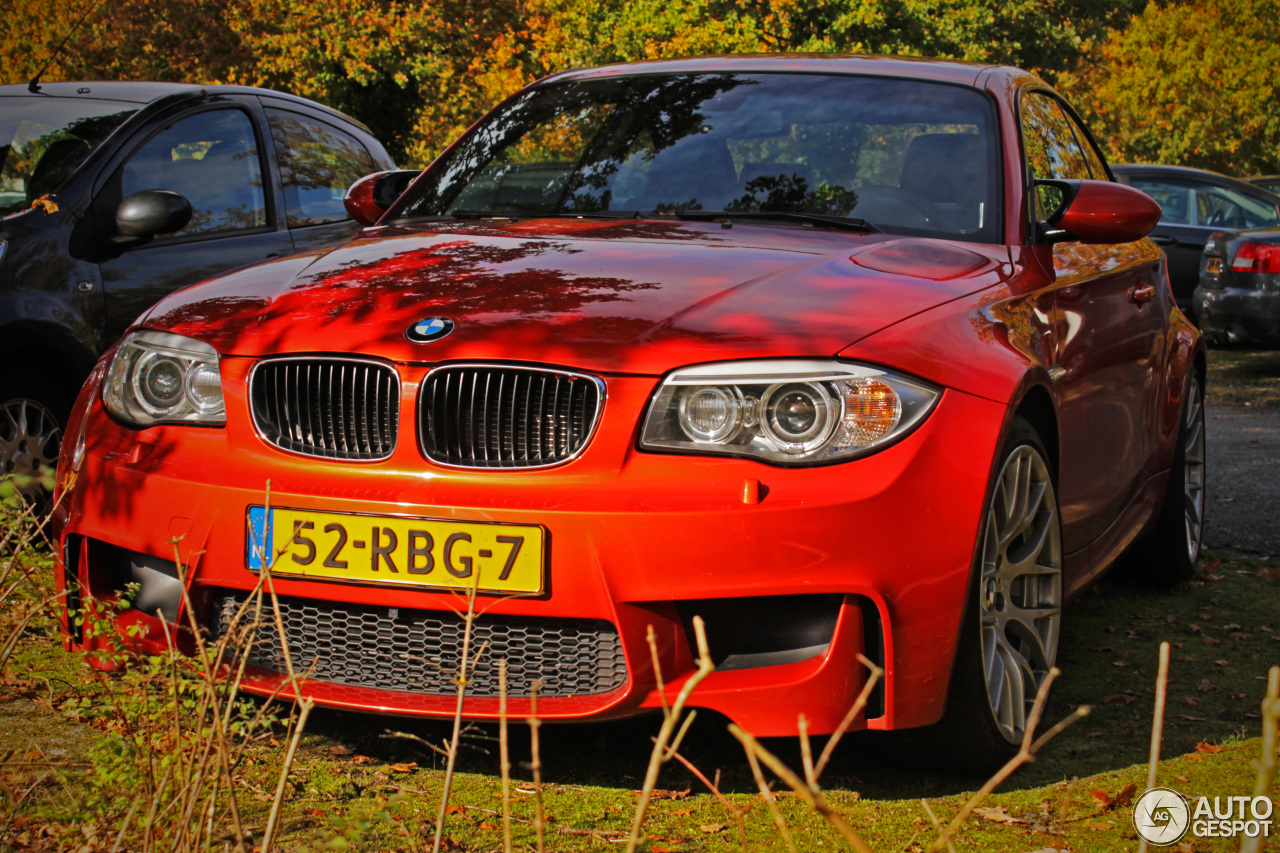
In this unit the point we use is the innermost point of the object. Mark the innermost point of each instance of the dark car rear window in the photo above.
(909, 156)
(44, 140)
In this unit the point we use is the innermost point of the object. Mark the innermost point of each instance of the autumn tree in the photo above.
(1191, 84)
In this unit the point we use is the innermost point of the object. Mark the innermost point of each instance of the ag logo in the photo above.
(1161, 816)
(430, 329)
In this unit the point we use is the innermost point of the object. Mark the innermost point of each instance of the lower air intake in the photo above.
(419, 651)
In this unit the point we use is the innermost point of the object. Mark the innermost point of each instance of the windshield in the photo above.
(44, 140)
(906, 156)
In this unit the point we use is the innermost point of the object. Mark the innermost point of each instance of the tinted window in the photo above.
(318, 163)
(44, 140)
(212, 159)
(1091, 156)
(909, 156)
(1050, 148)
(1185, 202)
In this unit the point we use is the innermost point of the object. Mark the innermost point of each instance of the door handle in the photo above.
(1164, 240)
(1140, 295)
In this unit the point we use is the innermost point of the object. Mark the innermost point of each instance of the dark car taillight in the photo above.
(1256, 258)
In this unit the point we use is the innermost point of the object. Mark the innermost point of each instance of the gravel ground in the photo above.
(1242, 514)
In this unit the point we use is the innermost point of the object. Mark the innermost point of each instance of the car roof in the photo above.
(1183, 171)
(144, 92)
(911, 67)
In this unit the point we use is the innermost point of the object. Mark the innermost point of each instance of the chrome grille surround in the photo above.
(419, 651)
(327, 406)
(507, 416)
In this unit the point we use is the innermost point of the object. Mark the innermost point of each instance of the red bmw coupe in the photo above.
(842, 354)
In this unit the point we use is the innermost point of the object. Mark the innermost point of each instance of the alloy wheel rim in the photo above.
(1193, 469)
(30, 439)
(1020, 592)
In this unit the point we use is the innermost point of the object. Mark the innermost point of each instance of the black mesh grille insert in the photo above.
(335, 408)
(505, 417)
(418, 651)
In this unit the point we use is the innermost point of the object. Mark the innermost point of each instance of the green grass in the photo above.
(1244, 377)
(359, 783)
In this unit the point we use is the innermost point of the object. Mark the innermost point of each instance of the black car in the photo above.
(1196, 203)
(1270, 183)
(115, 194)
(1238, 299)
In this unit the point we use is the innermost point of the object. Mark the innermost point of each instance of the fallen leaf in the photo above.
(1207, 687)
(1099, 826)
(402, 768)
(341, 750)
(1269, 574)
(1120, 697)
(1239, 635)
(1231, 626)
(1212, 641)
(1223, 662)
(1190, 719)
(317, 813)
(1207, 748)
(1174, 617)
(1123, 797)
(1095, 734)
(1118, 663)
(1266, 628)
(1185, 847)
(1196, 757)
(713, 828)
(682, 812)
(484, 824)
(997, 814)
(1189, 700)
(1180, 777)
(360, 759)
(1213, 566)
(659, 794)
(46, 204)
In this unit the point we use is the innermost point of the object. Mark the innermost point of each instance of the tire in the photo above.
(33, 413)
(1169, 553)
(1013, 618)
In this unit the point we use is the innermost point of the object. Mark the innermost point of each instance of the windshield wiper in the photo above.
(843, 223)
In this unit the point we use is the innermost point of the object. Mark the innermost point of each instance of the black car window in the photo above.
(1223, 207)
(212, 159)
(318, 163)
(1050, 148)
(44, 140)
(1175, 199)
(909, 156)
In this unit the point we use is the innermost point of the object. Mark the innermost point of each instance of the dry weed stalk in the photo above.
(810, 794)
(767, 793)
(1157, 725)
(1266, 763)
(854, 710)
(535, 766)
(461, 681)
(504, 756)
(739, 814)
(670, 719)
(1026, 753)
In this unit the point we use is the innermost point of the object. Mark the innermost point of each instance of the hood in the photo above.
(607, 296)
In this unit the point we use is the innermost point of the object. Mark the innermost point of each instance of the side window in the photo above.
(318, 163)
(1175, 200)
(1096, 166)
(1050, 148)
(1221, 207)
(212, 159)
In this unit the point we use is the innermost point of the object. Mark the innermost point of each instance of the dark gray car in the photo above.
(1195, 204)
(1238, 299)
(259, 173)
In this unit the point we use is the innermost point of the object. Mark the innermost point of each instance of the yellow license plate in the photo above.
(417, 552)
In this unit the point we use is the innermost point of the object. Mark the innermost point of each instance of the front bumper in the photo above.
(1239, 315)
(880, 548)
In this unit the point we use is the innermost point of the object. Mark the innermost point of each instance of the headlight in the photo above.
(158, 377)
(785, 412)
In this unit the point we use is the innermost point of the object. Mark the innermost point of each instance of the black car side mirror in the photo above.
(145, 214)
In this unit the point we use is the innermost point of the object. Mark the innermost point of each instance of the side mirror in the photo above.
(1096, 212)
(373, 195)
(150, 212)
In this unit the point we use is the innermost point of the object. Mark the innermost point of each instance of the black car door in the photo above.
(214, 156)
(318, 162)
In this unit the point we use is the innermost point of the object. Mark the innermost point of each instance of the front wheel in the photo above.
(1009, 640)
(32, 415)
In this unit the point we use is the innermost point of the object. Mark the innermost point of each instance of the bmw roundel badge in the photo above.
(430, 329)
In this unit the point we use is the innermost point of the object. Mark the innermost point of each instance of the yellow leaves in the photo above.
(45, 204)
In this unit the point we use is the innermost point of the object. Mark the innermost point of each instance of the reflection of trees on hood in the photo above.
(464, 277)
